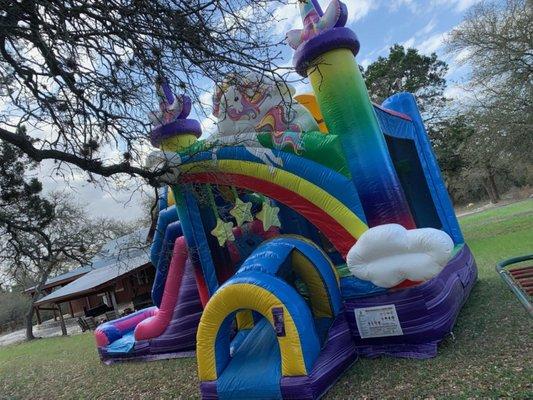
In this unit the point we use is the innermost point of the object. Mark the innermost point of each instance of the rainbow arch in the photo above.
(326, 198)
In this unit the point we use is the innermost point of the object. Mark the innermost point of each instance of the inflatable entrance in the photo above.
(280, 333)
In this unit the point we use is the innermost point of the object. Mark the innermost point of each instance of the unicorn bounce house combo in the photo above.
(309, 232)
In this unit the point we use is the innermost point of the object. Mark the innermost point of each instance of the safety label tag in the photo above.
(279, 322)
(378, 321)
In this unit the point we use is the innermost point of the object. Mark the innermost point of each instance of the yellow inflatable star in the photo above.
(269, 216)
(242, 212)
(223, 231)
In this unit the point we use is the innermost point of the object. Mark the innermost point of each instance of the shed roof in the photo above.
(116, 258)
(67, 276)
(109, 253)
(99, 277)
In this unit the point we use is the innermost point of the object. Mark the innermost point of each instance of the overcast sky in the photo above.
(379, 24)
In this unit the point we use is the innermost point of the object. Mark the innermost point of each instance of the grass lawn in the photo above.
(490, 355)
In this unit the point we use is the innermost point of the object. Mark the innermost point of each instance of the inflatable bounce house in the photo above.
(309, 232)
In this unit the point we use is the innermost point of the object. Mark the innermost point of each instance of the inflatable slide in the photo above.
(169, 328)
(309, 231)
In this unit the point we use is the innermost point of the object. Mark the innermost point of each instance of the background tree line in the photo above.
(483, 138)
(76, 83)
(40, 235)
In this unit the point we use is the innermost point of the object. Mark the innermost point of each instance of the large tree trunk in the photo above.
(486, 186)
(489, 183)
(493, 186)
(29, 320)
(34, 298)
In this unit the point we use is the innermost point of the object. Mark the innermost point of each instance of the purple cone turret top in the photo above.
(171, 119)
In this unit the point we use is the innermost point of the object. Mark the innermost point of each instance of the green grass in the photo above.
(490, 356)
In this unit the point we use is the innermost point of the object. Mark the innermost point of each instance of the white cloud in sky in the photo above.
(463, 5)
(209, 126)
(365, 62)
(458, 64)
(207, 121)
(424, 43)
(409, 43)
(359, 9)
(302, 87)
(288, 17)
(421, 6)
(428, 28)
(455, 92)
(432, 43)
(462, 56)
(456, 5)
(206, 99)
(412, 5)
(122, 202)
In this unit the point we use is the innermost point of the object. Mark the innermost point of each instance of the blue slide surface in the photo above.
(254, 371)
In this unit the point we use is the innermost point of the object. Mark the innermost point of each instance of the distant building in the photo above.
(119, 277)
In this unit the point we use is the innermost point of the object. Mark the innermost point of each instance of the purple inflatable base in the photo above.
(426, 312)
(336, 357)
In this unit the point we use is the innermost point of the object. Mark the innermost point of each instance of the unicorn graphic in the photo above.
(315, 21)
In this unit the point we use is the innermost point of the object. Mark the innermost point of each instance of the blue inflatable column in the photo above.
(174, 132)
(165, 218)
(194, 233)
(405, 103)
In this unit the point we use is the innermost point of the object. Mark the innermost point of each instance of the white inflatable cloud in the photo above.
(388, 254)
